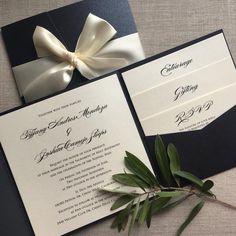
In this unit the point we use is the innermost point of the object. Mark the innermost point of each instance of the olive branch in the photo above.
(159, 193)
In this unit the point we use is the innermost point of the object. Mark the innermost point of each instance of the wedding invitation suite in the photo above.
(64, 148)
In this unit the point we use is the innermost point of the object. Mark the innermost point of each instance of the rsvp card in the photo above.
(168, 88)
(63, 149)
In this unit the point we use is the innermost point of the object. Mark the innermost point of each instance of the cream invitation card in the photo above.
(63, 149)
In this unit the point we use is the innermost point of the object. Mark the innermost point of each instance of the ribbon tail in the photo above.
(128, 47)
(114, 55)
(51, 81)
(95, 34)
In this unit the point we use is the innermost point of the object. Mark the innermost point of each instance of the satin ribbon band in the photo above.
(95, 54)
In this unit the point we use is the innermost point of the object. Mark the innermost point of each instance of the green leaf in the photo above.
(170, 194)
(190, 177)
(121, 201)
(207, 185)
(134, 181)
(163, 161)
(159, 203)
(155, 206)
(190, 217)
(135, 213)
(144, 211)
(174, 160)
(149, 215)
(122, 217)
(140, 169)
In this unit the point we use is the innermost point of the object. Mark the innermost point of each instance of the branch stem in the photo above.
(190, 191)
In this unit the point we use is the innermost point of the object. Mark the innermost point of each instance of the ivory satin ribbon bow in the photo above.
(95, 54)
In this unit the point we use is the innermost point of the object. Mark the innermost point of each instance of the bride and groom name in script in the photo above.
(64, 153)
(69, 144)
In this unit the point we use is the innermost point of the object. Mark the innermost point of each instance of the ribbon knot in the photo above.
(95, 54)
(72, 58)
